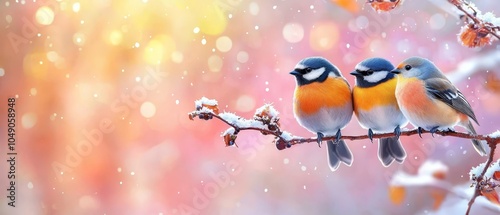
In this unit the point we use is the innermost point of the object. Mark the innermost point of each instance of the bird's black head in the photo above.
(314, 69)
(373, 71)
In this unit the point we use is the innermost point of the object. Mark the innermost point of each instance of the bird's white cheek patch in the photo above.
(361, 67)
(314, 74)
(375, 77)
(300, 66)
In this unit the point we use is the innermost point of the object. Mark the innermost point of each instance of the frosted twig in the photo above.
(266, 121)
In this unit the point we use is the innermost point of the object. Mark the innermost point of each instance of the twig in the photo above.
(286, 141)
(480, 178)
(299, 140)
(490, 28)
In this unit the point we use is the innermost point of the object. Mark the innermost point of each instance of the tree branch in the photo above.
(480, 179)
(477, 28)
(266, 121)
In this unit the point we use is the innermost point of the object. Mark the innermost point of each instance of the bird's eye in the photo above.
(369, 72)
(407, 67)
(308, 70)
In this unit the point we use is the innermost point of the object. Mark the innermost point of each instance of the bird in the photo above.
(430, 101)
(322, 103)
(376, 107)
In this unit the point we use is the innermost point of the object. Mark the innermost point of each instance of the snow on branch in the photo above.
(447, 198)
(480, 29)
(266, 121)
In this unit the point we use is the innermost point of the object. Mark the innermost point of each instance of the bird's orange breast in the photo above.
(412, 94)
(413, 97)
(382, 94)
(310, 98)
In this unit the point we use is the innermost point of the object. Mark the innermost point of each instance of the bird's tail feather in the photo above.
(478, 145)
(390, 149)
(338, 152)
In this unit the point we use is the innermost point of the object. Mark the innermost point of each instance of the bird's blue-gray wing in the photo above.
(444, 91)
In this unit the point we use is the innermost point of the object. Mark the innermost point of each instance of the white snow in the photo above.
(237, 121)
(273, 113)
(205, 101)
(495, 134)
(406, 180)
(287, 136)
(425, 175)
(475, 64)
(229, 131)
(476, 171)
(471, 9)
(430, 167)
(487, 17)
(205, 110)
(495, 166)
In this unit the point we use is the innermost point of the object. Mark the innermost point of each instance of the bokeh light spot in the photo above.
(158, 49)
(212, 20)
(88, 202)
(223, 44)
(115, 37)
(177, 57)
(148, 109)
(28, 120)
(44, 15)
(245, 103)
(33, 91)
(76, 7)
(324, 36)
(437, 21)
(32, 66)
(215, 63)
(52, 56)
(8, 18)
(2, 72)
(242, 57)
(362, 22)
(79, 39)
(293, 32)
(254, 8)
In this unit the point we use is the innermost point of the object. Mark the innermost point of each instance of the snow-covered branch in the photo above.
(266, 121)
(480, 29)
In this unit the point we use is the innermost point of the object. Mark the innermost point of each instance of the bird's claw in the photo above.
(370, 134)
(320, 138)
(337, 136)
(420, 131)
(397, 132)
(433, 130)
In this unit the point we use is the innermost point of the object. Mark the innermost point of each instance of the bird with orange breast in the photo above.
(430, 101)
(322, 104)
(376, 107)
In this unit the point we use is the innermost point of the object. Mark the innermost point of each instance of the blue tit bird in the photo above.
(430, 101)
(322, 104)
(376, 107)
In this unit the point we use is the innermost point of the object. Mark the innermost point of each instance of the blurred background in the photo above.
(103, 89)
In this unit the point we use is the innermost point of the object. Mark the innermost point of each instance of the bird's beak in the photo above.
(355, 73)
(295, 73)
(396, 71)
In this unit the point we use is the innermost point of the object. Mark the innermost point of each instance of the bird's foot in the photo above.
(420, 130)
(370, 134)
(433, 130)
(320, 138)
(337, 136)
(397, 132)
